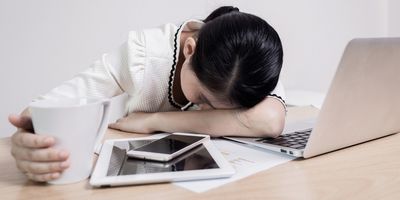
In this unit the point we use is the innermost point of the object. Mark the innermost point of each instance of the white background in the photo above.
(45, 42)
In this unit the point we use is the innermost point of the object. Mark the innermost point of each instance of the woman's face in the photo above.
(196, 93)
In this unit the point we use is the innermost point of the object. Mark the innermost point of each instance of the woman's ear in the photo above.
(189, 47)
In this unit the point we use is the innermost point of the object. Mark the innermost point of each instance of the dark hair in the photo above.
(238, 56)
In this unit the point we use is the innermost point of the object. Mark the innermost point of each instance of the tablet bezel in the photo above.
(99, 176)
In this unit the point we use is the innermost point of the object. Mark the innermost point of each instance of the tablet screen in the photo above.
(120, 164)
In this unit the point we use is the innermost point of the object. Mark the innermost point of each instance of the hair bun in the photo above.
(221, 11)
(235, 9)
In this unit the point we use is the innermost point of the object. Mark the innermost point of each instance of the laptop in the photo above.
(362, 103)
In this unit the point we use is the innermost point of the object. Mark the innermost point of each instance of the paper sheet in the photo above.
(245, 159)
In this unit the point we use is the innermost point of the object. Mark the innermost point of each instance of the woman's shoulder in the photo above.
(161, 41)
(155, 42)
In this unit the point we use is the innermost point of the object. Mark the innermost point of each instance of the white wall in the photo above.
(45, 42)
(393, 18)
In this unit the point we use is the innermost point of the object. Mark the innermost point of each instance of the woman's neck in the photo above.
(178, 94)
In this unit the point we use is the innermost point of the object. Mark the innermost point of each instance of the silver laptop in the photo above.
(362, 103)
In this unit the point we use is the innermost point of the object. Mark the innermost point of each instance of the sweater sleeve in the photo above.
(279, 94)
(279, 90)
(105, 78)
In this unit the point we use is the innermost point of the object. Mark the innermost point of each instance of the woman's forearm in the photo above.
(213, 122)
(265, 119)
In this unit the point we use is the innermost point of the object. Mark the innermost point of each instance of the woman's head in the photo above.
(236, 57)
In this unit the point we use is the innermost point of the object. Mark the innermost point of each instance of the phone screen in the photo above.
(169, 144)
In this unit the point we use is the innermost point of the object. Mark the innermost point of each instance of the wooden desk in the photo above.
(367, 171)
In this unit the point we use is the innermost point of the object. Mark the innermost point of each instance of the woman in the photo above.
(223, 72)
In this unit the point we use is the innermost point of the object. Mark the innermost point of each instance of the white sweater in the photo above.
(143, 67)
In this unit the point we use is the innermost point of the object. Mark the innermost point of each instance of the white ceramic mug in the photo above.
(78, 126)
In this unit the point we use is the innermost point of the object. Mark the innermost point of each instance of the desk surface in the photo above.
(366, 171)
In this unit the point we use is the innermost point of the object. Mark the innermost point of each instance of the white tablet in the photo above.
(114, 167)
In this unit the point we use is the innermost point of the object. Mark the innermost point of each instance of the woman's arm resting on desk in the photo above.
(265, 119)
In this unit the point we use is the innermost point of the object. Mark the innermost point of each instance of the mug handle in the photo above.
(103, 126)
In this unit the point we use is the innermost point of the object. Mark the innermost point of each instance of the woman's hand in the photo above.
(33, 153)
(138, 122)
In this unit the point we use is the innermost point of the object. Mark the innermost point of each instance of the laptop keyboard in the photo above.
(296, 140)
